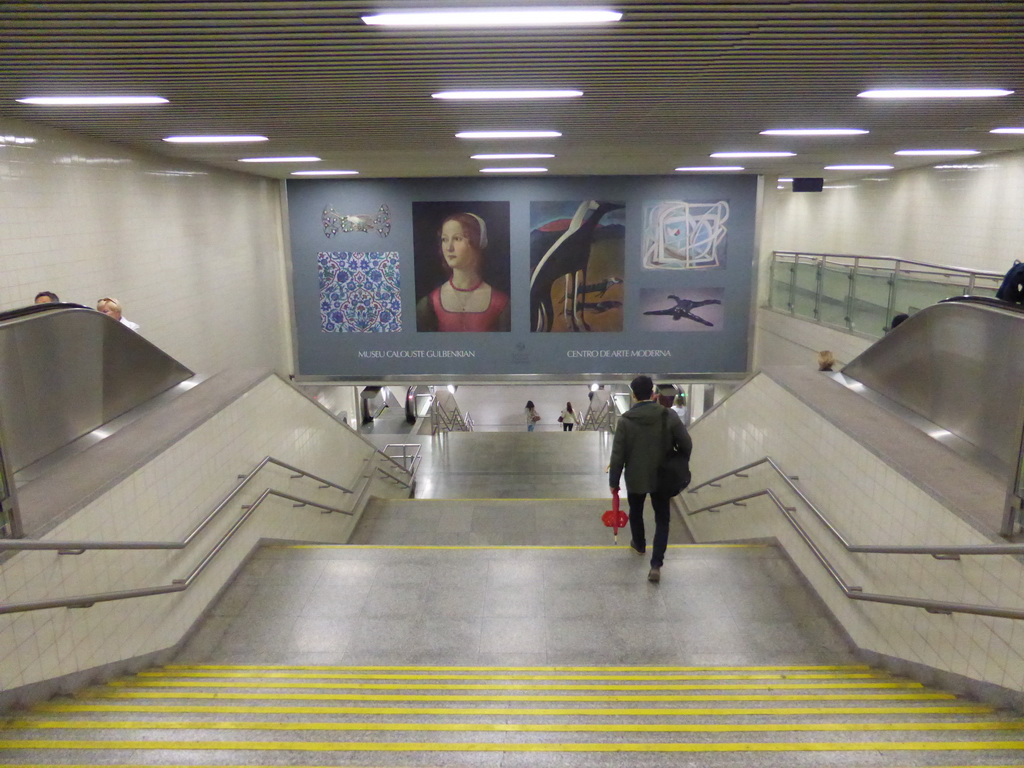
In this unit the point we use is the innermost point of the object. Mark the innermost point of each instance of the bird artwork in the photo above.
(568, 257)
(683, 309)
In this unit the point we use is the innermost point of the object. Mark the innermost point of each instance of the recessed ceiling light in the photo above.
(519, 156)
(489, 17)
(513, 170)
(753, 155)
(213, 139)
(91, 101)
(937, 152)
(813, 132)
(1007, 130)
(933, 93)
(506, 94)
(858, 167)
(324, 173)
(703, 168)
(309, 159)
(507, 135)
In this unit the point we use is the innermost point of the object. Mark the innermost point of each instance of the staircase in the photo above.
(842, 715)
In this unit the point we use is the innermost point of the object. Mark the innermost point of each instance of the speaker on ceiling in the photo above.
(808, 184)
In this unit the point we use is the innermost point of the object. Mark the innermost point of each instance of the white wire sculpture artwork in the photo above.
(682, 235)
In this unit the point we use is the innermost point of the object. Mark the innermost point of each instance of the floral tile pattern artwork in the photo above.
(359, 292)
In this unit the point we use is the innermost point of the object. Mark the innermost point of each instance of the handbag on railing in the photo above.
(674, 470)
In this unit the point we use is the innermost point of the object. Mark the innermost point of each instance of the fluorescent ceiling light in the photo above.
(310, 159)
(507, 94)
(753, 154)
(1007, 130)
(962, 166)
(489, 17)
(324, 173)
(91, 101)
(513, 170)
(785, 178)
(937, 152)
(213, 139)
(703, 168)
(514, 156)
(814, 132)
(507, 135)
(17, 140)
(858, 167)
(839, 186)
(933, 93)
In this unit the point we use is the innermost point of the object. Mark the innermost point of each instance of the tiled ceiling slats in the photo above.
(670, 83)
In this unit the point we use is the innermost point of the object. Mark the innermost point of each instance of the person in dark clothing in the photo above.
(643, 437)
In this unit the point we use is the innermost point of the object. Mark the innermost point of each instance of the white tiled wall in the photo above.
(193, 253)
(163, 501)
(967, 217)
(870, 504)
(785, 340)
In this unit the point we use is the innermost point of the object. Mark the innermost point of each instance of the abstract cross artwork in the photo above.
(359, 292)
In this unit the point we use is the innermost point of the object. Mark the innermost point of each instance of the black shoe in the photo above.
(654, 575)
(635, 548)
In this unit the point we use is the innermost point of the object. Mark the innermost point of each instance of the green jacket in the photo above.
(640, 445)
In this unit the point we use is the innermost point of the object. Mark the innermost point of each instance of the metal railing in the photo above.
(444, 420)
(78, 547)
(177, 585)
(939, 552)
(862, 293)
(408, 455)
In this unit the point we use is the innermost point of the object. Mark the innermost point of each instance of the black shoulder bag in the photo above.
(674, 470)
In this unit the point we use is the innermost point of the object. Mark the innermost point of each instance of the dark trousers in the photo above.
(566, 427)
(661, 521)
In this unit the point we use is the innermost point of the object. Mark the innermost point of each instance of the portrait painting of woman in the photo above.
(464, 300)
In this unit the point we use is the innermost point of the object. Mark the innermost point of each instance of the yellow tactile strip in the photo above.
(367, 692)
(342, 746)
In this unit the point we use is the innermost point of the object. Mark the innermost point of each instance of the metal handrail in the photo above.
(938, 267)
(78, 547)
(854, 592)
(176, 585)
(409, 459)
(940, 551)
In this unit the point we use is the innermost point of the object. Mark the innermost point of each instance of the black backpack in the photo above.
(1012, 288)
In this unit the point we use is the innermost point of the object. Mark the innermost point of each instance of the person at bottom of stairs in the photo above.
(639, 447)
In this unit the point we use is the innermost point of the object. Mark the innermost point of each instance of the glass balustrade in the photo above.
(862, 293)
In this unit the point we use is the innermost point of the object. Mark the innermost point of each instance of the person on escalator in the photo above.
(46, 297)
(112, 308)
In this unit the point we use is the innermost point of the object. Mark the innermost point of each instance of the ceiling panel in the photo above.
(664, 87)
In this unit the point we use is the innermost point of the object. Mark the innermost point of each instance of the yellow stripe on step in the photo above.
(551, 670)
(184, 709)
(243, 725)
(115, 694)
(204, 675)
(361, 746)
(134, 683)
(619, 547)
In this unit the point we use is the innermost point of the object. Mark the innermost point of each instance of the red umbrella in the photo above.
(615, 518)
